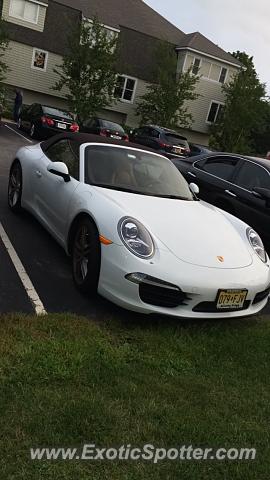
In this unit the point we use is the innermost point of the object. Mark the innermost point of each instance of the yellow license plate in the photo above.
(231, 298)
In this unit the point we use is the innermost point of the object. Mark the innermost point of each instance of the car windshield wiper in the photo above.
(174, 197)
(139, 192)
(121, 189)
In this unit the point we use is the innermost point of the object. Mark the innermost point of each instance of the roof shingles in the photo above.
(133, 14)
(199, 42)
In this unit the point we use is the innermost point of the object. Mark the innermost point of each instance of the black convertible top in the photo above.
(82, 138)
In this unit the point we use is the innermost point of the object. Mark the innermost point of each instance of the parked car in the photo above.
(240, 185)
(42, 121)
(104, 128)
(167, 142)
(197, 149)
(135, 231)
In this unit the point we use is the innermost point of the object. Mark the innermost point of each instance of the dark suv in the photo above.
(167, 142)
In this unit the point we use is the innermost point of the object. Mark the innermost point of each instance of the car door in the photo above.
(213, 175)
(141, 136)
(52, 193)
(153, 139)
(250, 207)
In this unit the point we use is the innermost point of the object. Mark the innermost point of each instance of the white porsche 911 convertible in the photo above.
(135, 230)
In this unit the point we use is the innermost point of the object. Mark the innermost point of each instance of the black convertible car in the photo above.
(240, 185)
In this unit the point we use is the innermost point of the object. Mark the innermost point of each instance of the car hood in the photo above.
(193, 231)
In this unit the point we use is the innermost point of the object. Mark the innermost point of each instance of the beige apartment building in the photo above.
(38, 31)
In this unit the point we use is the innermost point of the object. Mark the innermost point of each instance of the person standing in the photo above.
(268, 156)
(17, 104)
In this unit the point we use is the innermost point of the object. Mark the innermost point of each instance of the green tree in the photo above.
(260, 136)
(88, 72)
(164, 102)
(3, 66)
(244, 110)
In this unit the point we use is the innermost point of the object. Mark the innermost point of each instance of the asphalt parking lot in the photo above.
(44, 262)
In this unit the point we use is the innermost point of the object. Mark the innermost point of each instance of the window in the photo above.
(57, 112)
(111, 125)
(125, 88)
(252, 175)
(154, 133)
(24, 10)
(222, 167)
(196, 66)
(223, 75)
(111, 33)
(174, 139)
(215, 112)
(66, 151)
(133, 171)
(39, 60)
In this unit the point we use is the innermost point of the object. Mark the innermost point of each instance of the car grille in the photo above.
(161, 296)
(211, 307)
(261, 296)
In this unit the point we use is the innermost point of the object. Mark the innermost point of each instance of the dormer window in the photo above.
(223, 75)
(196, 66)
(24, 10)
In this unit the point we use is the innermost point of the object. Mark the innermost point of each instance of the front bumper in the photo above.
(200, 284)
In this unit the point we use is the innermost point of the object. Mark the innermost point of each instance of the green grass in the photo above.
(66, 381)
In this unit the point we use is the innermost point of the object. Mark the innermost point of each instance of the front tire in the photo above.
(15, 187)
(86, 257)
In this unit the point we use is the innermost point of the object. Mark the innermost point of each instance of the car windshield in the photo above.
(111, 126)
(134, 171)
(175, 139)
(56, 112)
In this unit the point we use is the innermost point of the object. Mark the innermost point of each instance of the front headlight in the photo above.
(257, 244)
(136, 238)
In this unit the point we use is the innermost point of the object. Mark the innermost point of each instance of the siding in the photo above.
(58, 24)
(208, 87)
(19, 59)
(199, 108)
(129, 109)
(39, 27)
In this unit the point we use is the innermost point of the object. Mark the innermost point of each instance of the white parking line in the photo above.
(17, 133)
(28, 286)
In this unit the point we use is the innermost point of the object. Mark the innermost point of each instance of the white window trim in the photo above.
(211, 103)
(210, 71)
(113, 29)
(225, 79)
(12, 15)
(192, 65)
(33, 59)
(127, 77)
(204, 54)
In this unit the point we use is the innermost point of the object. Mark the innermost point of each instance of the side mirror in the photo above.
(60, 169)
(194, 188)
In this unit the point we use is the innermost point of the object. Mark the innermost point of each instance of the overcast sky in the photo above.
(232, 24)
